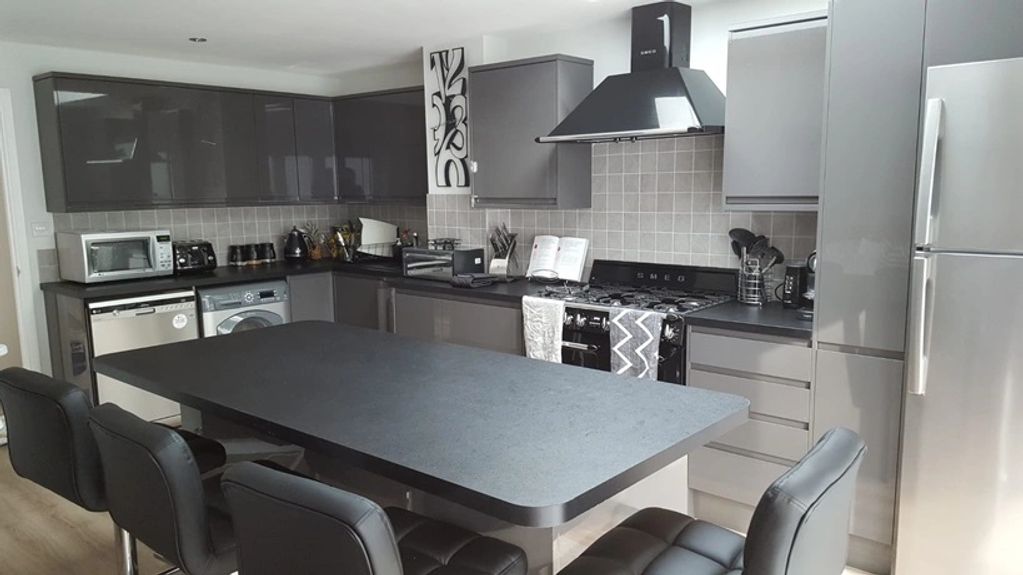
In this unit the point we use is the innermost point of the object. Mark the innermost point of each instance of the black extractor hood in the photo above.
(661, 97)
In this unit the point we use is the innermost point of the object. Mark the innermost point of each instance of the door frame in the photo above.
(18, 234)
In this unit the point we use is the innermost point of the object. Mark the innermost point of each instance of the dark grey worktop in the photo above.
(390, 271)
(770, 319)
(525, 441)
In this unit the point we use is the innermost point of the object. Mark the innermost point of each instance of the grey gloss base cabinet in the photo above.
(311, 297)
(362, 302)
(510, 105)
(461, 321)
(115, 144)
(796, 394)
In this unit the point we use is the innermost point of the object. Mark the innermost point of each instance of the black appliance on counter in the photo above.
(672, 290)
(193, 256)
(442, 265)
(794, 285)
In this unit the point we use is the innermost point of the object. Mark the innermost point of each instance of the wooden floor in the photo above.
(42, 534)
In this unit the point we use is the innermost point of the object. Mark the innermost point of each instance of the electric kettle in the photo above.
(297, 246)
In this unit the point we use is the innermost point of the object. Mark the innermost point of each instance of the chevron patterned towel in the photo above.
(635, 342)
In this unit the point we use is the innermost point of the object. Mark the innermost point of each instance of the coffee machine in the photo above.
(794, 284)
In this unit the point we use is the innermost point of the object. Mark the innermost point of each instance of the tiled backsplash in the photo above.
(226, 226)
(653, 201)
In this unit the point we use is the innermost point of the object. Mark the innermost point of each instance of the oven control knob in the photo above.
(604, 324)
(568, 318)
(580, 320)
(669, 332)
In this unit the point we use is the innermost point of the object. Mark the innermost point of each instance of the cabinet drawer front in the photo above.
(731, 476)
(775, 399)
(769, 438)
(750, 355)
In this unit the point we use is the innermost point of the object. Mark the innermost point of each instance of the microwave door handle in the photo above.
(919, 325)
(928, 171)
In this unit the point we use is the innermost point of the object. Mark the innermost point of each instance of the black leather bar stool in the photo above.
(50, 444)
(156, 493)
(291, 524)
(800, 527)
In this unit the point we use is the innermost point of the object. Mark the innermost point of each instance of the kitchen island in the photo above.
(526, 443)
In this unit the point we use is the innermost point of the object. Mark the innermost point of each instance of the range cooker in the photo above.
(670, 290)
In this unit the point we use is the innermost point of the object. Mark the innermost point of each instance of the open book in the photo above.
(555, 258)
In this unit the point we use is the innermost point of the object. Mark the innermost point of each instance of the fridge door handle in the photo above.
(928, 170)
(916, 354)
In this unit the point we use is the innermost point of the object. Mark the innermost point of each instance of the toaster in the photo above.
(193, 256)
(441, 265)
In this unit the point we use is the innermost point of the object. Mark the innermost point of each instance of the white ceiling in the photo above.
(325, 37)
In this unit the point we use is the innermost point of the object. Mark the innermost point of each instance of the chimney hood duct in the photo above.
(661, 97)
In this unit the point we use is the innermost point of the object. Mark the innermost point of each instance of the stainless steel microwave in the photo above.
(91, 257)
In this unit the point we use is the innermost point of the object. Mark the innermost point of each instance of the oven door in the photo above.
(120, 258)
(586, 350)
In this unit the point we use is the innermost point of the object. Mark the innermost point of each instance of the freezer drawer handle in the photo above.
(928, 171)
(919, 326)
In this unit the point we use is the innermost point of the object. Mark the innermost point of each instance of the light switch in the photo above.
(40, 229)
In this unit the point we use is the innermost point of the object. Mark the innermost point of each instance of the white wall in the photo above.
(402, 75)
(19, 62)
(607, 43)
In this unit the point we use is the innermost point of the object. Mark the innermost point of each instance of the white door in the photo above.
(11, 352)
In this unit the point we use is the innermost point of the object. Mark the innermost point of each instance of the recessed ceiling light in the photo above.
(197, 39)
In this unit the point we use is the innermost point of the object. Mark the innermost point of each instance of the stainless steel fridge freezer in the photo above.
(961, 476)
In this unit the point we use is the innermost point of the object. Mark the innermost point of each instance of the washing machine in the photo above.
(244, 307)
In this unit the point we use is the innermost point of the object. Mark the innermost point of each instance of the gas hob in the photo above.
(660, 299)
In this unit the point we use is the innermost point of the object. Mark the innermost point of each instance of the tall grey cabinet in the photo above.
(875, 80)
(510, 105)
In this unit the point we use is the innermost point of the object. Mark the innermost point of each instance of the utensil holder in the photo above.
(753, 280)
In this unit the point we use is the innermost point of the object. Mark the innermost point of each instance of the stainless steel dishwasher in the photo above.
(133, 323)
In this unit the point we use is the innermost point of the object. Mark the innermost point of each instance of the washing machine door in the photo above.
(249, 320)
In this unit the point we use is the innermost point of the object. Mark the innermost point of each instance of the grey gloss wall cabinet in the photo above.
(510, 105)
(314, 150)
(114, 144)
(117, 145)
(775, 115)
(381, 146)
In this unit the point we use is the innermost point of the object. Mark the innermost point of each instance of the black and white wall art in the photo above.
(450, 130)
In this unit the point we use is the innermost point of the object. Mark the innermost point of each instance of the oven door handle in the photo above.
(579, 346)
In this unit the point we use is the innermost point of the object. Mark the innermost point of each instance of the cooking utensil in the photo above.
(759, 247)
(743, 236)
(774, 255)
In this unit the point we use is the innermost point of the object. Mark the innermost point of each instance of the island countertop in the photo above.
(529, 442)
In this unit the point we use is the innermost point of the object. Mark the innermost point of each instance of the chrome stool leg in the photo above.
(127, 552)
